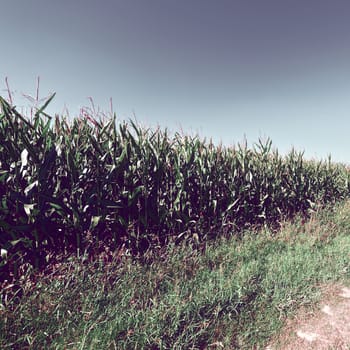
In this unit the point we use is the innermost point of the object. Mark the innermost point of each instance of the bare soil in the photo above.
(327, 327)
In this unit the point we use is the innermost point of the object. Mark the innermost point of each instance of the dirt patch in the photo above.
(326, 328)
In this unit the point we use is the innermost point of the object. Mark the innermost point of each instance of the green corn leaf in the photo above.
(56, 203)
(28, 208)
(30, 148)
(49, 162)
(94, 222)
(29, 188)
(24, 159)
(134, 196)
(41, 109)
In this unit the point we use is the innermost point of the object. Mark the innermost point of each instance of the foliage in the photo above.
(68, 185)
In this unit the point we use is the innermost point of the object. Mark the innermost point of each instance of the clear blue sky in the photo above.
(222, 68)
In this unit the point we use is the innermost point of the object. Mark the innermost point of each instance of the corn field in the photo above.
(65, 184)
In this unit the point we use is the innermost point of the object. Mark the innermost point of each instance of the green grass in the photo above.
(232, 294)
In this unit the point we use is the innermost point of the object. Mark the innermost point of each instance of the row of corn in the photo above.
(66, 184)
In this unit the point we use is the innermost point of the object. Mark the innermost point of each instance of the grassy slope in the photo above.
(235, 294)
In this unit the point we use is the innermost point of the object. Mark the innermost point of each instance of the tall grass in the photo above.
(234, 295)
(68, 185)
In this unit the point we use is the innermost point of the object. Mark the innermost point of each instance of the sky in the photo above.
(227, 70)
